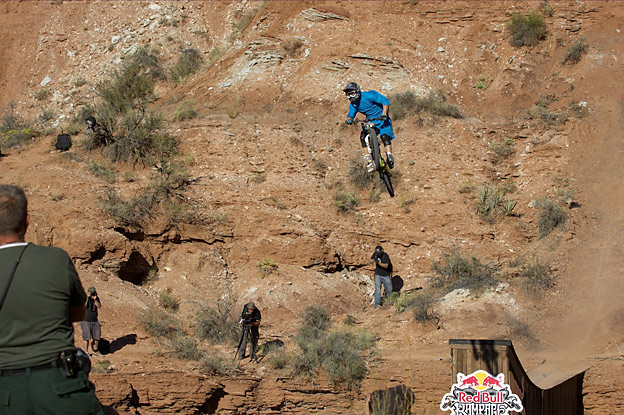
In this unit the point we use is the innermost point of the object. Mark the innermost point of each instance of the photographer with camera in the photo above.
(41, 371)
(91, 329)
(383, 274)
(250, 319)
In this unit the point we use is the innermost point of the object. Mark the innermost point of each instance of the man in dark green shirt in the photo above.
(40, 297)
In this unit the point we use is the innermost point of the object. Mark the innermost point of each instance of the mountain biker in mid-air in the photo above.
(375, 107)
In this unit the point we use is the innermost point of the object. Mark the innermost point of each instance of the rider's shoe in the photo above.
(390, 160)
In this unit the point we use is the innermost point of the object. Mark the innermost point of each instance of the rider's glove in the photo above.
(349, 121)
(383, 118)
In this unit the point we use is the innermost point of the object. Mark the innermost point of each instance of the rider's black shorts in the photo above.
(385, 138)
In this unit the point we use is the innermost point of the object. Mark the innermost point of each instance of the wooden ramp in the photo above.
(499, 356)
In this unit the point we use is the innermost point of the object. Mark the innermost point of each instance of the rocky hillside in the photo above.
(268, 156)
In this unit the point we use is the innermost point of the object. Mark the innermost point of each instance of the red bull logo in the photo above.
(480, 393)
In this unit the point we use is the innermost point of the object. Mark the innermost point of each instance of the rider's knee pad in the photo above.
(385, 138)
(363, 135)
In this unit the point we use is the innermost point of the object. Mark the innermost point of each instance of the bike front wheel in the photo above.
(385, 179)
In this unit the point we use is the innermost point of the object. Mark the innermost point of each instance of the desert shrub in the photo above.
(148, 59)
(216, 364)
(518, 329)
(400, 301)
(346, 202)
(342, 358)
(184, 347)
(575, 53)
(280, 359)
(466, 186)
(455, 271)
(338, 352)
(187, 64)
(526, 29)
(493, 204)
(358, 174)
(79, 81)
(184, 111)
(551, 215)
(129, 131)
(42, 93)
(101, 366)
(14, 130)
(408, 103)
(421, 303)
(502, 149)
(168, 301)
(546, 9)
(315, 325)
(292, 46)
(159, 324)
(538, 277)
(578, 109)
(134, 212)
(105, 172)
(218, 324)
(267, 266)
(46, 115)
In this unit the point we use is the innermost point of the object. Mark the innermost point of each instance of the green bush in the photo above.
(422, 303)
(575, 53)
(218, 324)
(526, 29)
(159, 324)
(407, 103)
(168, 301)
(216, 364)
(502, 149)
(455, 271)
(267, 266)
(493, 204)
(346, 202)
(358, 174)
(338, 352)
(42, 93)
(184, 347)
(14, 130)
(149, 60)
(551, 216)
(184, 111)
(342, 359)
(129, 130)
(538, 277)
(315, 325)
(188, 63)
(280, 359)
(107, 173)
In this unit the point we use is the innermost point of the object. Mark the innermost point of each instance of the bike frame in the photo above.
(372, 141)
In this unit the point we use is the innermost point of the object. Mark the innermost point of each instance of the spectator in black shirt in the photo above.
(383, 274)
(91, 329)
(250, 319)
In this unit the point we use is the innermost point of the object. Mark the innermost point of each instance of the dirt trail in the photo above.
(588, 321)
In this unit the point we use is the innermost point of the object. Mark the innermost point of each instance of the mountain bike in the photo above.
(372, 141)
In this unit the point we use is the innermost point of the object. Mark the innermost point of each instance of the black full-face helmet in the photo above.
(352, 91)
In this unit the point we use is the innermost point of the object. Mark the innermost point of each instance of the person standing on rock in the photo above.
(250, 319)
(91, 329)
(383, 274)
(375, 107)
(41, 371)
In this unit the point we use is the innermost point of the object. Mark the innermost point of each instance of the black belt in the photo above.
(23, 371)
